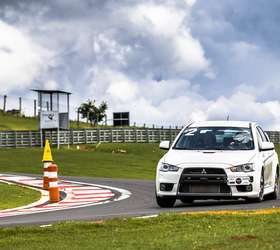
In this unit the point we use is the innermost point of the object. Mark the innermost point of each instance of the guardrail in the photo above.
(90, 136)
(86, 136)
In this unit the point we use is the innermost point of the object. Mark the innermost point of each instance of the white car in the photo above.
(217, 160)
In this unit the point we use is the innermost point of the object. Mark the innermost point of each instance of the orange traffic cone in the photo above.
(53, 183)
(47, 161)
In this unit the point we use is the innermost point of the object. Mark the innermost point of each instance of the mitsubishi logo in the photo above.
(203, 171)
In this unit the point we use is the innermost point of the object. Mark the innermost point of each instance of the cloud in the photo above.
(51, 84)
(121, 89)
(243, 46)
(190, 2)
(163, 28)
(243, 106)
(21, 60)
(176, 102)
(157, 19)
(165, 61)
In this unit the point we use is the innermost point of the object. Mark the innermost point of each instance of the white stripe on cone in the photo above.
(47, 164)
(53, 184)
(52, 174)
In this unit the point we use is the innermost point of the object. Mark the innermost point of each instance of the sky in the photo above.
(167, 62)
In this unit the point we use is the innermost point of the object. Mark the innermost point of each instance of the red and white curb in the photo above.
(77, 195)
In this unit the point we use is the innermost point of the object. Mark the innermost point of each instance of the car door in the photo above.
(267, 157)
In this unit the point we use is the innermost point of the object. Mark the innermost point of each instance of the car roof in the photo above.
(242, 124)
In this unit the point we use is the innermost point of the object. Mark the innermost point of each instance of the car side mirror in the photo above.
(264, 146)
(164, 145)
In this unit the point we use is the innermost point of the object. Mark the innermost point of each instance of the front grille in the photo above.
(204, 188)
(204, 180)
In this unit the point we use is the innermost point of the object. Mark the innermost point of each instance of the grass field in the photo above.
(163, 232)
(136, 161)
(11, 122)
(14, 196)
(110, 160)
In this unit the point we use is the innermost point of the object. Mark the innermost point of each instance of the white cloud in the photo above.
(157, 19)
(189, 54)
(190, 2)
(51, 84)
(274, 108)
(21, 60)
(176, 102)
(243, 106)
(167, 29)
(143, 57)
(108, 50)
(122, 89)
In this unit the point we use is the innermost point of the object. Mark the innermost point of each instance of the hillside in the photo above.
(12, 122)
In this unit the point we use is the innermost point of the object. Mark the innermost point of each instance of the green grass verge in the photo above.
(12, 196)
(164, 232)
(110, 160)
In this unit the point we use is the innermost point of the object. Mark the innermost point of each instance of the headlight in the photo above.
(168, 168)
(249, 167)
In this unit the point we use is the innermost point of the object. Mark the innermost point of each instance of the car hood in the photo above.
(178, 157)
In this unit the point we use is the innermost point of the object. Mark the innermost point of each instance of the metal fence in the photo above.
(274, 136)
(90, 136)
(86, 136)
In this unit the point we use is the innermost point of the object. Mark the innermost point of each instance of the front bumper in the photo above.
(219, 183)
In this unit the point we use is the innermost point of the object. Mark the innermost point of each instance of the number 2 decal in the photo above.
(190, 132)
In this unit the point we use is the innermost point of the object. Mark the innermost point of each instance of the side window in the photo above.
(262, 135)
(259, 136)
(265, 135)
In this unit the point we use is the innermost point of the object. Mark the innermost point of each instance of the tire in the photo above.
(186, 200)
(275, 194)
(165, 201)
(261, 193)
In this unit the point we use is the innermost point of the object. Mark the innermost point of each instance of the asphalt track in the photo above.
(140, 203)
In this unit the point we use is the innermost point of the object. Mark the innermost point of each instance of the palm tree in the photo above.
(92, 113)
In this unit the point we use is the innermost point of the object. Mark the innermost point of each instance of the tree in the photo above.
(93, 113)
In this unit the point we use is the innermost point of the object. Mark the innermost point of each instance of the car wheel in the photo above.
(261, 193)
(165, 201)
(186, 200)
(275, 194)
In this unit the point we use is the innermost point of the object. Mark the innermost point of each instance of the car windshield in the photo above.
(215, 138)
